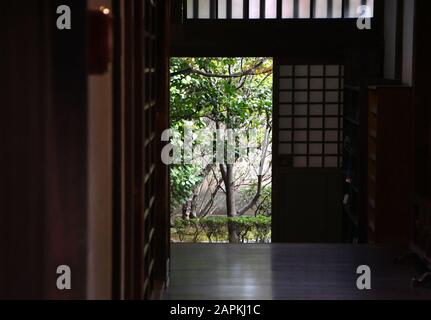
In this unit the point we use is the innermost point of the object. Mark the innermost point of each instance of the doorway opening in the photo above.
(220, 150)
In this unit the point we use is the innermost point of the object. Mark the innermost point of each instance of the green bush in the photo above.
(263, 228)
(215, 228)
(244, 226)
(180, 226)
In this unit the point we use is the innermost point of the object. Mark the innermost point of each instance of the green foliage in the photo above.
(235, 101)
(263, 228)
(249, 228)
(199, 100)
(187, 229)
(181, 226)
(184, 178)
(214, 227)
(244, 226)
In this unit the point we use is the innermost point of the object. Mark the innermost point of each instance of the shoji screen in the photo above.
(276, 9)
(310, 115)
(307, 152)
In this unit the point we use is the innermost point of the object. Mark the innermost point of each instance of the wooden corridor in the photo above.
(285, 272)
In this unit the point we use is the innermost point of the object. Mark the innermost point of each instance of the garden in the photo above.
(220, 149)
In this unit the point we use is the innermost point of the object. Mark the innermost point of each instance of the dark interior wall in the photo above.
(309, 206)
(269, 38)
(295, 38)
(22, 159)
(422, 99)
(43, 158)
(66, 208)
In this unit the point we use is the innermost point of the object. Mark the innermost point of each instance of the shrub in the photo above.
(180, 226)
(215, 228)
(244, 226)
(263, 228)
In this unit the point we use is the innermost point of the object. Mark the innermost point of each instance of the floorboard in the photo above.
(286, 272)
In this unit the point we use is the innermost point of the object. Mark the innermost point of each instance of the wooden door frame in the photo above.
(129, 270)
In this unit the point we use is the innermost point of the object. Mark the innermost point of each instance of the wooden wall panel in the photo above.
(44, 182)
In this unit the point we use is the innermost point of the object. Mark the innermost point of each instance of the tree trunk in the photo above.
(193, 205)
(231, 203)
(184, 211)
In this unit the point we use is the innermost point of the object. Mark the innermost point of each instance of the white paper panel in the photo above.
(301, 71)
(300, 136)
(331, 109)
(311, 114)
(331, 136)
(189, 9)
(316, 148)
(304, 9)
(286, 71)
(285, 123)
(222, 6)
(316, 123)
(316, 135)
(286, 96)
(287, 11)
(301, 97)
(300, 148)
(331, 148)
(301, 84)
(285, 136)
(285, 148)
(337, 8)
(332, 83)
(285, 109)
(370, 4)
(332, 71)
(331, 123)
(237, 9)
(316, 71)
(356, 10)
(316, 110)
(286, 84)
(321, 9)
(300, 110)
(271, 9)
(332, 96)
(316, 84)
(300, 162)
(204, 9)
(352, 8)
(316, 96)
(300, 123)
(254, 9)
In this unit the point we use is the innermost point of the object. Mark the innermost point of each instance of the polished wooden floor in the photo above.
(284, 272)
